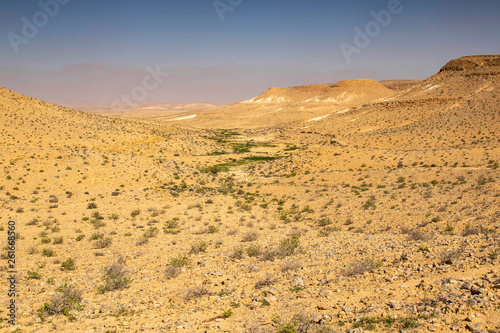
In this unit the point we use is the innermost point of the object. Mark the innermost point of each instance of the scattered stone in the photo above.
(271, 299)
(476, 327)
(297, 281)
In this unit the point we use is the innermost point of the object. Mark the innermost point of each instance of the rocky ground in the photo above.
(383, 217)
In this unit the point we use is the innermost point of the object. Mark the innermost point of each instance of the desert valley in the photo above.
(354, 206)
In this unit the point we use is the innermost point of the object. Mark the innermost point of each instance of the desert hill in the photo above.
(450, 102)
(37, 123)
(29, 122)
(466, 76)
(147, 111)
(347, 216)
(340, 93)
(280, 105)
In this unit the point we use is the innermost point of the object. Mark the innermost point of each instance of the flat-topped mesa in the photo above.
(357, 83)
(340, 92)
(472, 63)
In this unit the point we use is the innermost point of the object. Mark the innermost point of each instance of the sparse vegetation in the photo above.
(68, 265)
(116, 276)
(381, 215)
(180, 261)
(361, 266)
(199, 247)
(66, 299)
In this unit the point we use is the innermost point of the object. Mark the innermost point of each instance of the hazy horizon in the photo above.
(93, 53)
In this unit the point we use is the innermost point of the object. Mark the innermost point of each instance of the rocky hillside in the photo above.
(456, 108)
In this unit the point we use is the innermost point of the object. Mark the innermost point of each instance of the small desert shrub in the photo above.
(92, 205)
(369, 204)
(48, 223)
(196, 292)
(180, 261)
(253, 250)
(198, 247)
(324, 222)
(135, 212)
(97, 223)
(469, 231)
(495, 254)
(141, 241)
(289, 245)
(68, 265)
(266, 282)
(171, 227)
(67, 298)
(212, 229)
(250, 236)
(270, 254)
(417, 235)
(214, 169)
(325, 232)
(237, 253)
(48, 252)
(361, 266)
(33, 275)
(116, 276)
(151, 232)
(449, 228)
(172, 272)
(172, 224)
(299, 323)
(58, 240)
(436, 219)
(33, 222)
(371, 323)
(228, 313)
(96, 235)
(232, 232)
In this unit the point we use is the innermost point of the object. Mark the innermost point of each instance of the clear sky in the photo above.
(96, 51)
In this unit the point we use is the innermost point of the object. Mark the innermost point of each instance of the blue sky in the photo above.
(92, 52)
